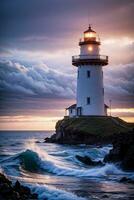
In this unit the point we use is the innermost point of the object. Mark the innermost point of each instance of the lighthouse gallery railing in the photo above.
(94, 59)
(102, 57)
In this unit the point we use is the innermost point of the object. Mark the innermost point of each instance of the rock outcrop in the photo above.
(87, 130)
(95, 130)
(88, 161)
(8, 191)
(126, 180)
(123, 150)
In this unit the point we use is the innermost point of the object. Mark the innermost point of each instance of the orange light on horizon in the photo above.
(128, 119)
(122, 110)
(39, 122)
(28, 123)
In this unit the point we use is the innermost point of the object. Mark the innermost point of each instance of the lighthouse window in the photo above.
(88, 100)
(88, 74)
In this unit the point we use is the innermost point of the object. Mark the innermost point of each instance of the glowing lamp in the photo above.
(90, 35)
(87, 35)
(90, 48)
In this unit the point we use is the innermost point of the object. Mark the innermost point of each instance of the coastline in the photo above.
(88, 130)
(98, 131)
(10, 191)
(61, 172)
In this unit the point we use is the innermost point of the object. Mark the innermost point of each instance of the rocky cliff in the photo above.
(88, 130)
(99, 131)
(123, 150)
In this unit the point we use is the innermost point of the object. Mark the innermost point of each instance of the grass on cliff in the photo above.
(95, 125)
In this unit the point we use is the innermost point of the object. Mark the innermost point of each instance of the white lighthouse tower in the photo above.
(90, 89)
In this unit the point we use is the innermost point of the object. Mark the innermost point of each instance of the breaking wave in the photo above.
(51, 193)
(35, 159)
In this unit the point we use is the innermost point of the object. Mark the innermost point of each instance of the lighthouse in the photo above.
(90, 89)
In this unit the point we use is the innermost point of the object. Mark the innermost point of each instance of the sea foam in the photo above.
(52, 193)
(35, 158)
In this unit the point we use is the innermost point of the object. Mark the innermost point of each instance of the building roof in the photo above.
(71, 107)
(106, 106)
(89, 29)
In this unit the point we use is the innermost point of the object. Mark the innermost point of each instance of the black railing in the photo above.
(86, 57)
(90, 59)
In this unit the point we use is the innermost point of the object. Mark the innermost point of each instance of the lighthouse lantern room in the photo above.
(90, 89)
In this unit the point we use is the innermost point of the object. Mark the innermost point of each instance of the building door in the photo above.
(79, 111)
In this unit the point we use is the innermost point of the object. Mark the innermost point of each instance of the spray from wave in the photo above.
(51, 193)
(34, 158)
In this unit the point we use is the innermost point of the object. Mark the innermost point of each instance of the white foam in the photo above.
(52, 193)
(49, 164)
(97, 154)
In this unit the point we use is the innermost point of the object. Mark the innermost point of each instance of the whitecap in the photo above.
(51, 165)
(52, 193)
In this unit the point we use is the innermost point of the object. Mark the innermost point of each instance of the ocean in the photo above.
(52, 170)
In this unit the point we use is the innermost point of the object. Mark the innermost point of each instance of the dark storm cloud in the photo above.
(34, 88)
(119, 84)
(36, 81)
(47, 27)
(38, 24)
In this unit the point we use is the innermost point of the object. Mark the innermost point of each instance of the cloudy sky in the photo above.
(37, 40)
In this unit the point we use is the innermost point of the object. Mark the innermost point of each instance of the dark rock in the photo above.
(16, 192)
(105, 196)
(15, 195)
(128, 161)
(87, 130)
(48, 140)
(114, 155)
(34, 196)
(3, 179)
(123, 150)
(17, 185)
(5, 188)
(21, 189)
(37, 142)
(126, 180)
(25, 190)
(98, 130)
(52, 139)
(87, 160)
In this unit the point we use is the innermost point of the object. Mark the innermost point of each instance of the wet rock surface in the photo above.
(123, 150)
(8, 191)
(126, 180)
(88, 161)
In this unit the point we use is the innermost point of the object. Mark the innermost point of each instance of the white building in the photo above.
(90, 89)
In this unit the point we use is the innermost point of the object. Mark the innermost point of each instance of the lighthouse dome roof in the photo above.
(89, 29)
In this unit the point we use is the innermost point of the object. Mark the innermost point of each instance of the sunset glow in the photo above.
(66, 99)
(29, 122)
(38, 80)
